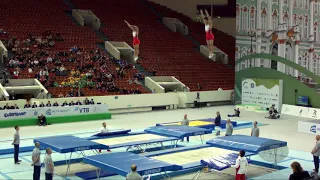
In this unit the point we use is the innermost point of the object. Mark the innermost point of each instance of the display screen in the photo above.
(303, 100)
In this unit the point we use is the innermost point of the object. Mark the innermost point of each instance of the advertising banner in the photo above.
(53, 111)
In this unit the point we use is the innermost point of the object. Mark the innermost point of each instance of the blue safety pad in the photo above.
(115, 132)
(137, 143)
(222, 162)
(177, 131)
(66, 144)
(212, 163)
(246, 143)
(93, 174)
(120, 163)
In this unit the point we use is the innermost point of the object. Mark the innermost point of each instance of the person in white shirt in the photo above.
(49, 165)
(241, 166)
(104, 129)
(36, 162)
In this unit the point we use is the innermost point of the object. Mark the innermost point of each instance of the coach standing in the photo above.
(36, 162)
(185, 122)
(229, 128)
(255, 130)
(49, 164)
(316, 153)
(16, 143)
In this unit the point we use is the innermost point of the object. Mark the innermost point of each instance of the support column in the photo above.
(280, 11)
(282, 36)
(296, 56)
(311, 38)
(269, 23)
(311, 52)
(258, 15)
(258, 50)
(290, 4)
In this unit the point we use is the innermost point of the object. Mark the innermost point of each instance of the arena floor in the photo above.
(281, 129)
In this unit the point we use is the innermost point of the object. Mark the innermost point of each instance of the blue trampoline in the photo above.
(178, 131)
(119, 163)
(246, 143)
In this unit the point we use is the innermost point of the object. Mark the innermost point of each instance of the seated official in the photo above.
(86, 101)
(27, 105)
(41, 105)
(55, 104)
(48, 104)
(236, 113)
(71, 103)
(6, 106)
(42, 120)
(298, 172)
(65, 104)
(34, 105)
(91, 102)
(78, 103)
(15, 106)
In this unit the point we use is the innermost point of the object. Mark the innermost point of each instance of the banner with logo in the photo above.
(309, 127)
(53, 111)
(262, 92)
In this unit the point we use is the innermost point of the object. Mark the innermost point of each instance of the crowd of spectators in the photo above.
(77, 68)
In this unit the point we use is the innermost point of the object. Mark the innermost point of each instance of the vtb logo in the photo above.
(84, 110)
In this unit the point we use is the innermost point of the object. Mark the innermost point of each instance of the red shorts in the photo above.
(209, 36)
(136, 41)
(240, 177)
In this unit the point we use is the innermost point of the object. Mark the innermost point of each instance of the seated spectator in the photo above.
(6, 106)
(48, 104)
(55, 104)
(86, 102)
(49, 95)
(136, 81)
(199, 86)
(16, 74)
(30, 70)
(15, 106)
(61, 95)
(51, 43)
(236, 113)
(41, 95)
(42, 105)
(49, 59)
(298, 172)
(3, 98)
(71, 103)
(91, 102)
(62, 70)
(65, 104)
(42, 120)
(78, 103)
(71, 93)
(27, 105)
(34, 105)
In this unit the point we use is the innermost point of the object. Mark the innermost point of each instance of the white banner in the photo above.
(262, 92)
(314, 113)
(53, 111)
(289, 109)
(309, 127)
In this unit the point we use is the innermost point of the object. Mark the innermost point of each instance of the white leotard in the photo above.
(134, 33)
(207, 28)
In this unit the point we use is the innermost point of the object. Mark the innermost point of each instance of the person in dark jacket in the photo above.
(236, 113)
(298, 172)
(55, 104)
(34, 105)
(217, 122)
(42, 105)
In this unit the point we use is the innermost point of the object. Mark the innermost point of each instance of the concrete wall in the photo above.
(188, 7)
